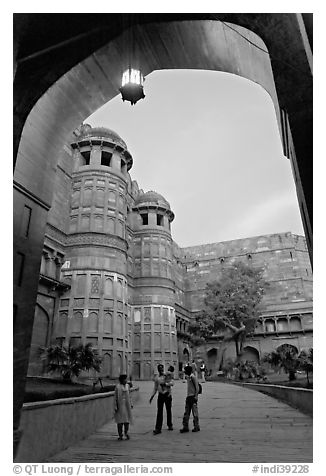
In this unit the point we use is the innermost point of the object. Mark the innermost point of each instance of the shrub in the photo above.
(70, 361)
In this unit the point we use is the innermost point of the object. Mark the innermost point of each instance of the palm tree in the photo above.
(70, 361)
(285, 357)
(305, 360)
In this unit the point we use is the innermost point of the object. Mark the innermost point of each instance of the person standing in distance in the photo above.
(163, 387)
(191, 401)
(202, 372)
(194, 368)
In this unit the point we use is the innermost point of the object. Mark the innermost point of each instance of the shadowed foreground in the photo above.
(237, 426)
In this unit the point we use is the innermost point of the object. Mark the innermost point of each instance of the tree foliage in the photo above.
(243, 370)
(285, 357)
(305, 362)
(232, 305)
(70, 361)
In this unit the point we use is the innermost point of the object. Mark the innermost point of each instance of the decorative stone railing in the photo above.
(51, 426)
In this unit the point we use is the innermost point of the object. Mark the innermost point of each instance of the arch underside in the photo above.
(202, 45)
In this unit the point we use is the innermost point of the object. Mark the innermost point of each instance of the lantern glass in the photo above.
(133, 76)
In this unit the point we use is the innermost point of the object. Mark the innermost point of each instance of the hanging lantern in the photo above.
(132, 86)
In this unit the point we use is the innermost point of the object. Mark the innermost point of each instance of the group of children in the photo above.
(162, 383)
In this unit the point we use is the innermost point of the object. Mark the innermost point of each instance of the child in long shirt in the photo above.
(123, 406)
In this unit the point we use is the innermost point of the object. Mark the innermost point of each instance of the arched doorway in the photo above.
(39, 339)
(185, 356)
(251, 354)
(288, 348)
(211, 359)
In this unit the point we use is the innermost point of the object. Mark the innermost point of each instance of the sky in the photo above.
(209, 143)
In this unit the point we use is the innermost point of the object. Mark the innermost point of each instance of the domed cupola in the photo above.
(99, 146)
(153, 208)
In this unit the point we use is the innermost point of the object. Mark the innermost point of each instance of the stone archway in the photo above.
(185, 355)
(209, 45)
(291, 347)
(193, 43)
(250, 353)
(211, 359)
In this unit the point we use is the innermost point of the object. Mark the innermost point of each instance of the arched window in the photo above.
(99, 197)
(119, 324)
(112, 198)
(166, 341)
(87, 197)
(165, 314)
(126, 369)
(282, 324)
(146, 249)
(77, 322)
(75, 199)
(126, 326)
(110, 225)
(106, 365)
(119, 289)
(85, 223)
(98, 222)
(157, 315)
(157, 341)
(92, 324)
(120, 228)
(120, 202)
(147, 341)
(295, 323)
(108, 287)
(107, 322)
(73, 224)
(136, 341)
(137, 315)
(120, 364)
(270, 325)
(62, 324)
(136, 370)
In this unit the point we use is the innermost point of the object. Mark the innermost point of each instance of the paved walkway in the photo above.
(237, 426)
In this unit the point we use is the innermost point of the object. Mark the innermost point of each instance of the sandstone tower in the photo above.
(154, 323)
(96, 252)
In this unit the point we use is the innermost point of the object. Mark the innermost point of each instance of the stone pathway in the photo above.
(238, 425)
